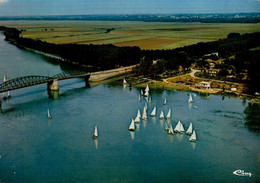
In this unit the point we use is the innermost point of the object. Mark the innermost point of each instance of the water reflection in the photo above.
(161, 123)
(53, 94)
(193, 145)
(179, 137)
(132, 134)
(190, 105)
(137, 127)
(96, 143)
(144, 123)
(153, 120)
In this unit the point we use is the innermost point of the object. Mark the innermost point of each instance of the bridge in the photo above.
(52, 82)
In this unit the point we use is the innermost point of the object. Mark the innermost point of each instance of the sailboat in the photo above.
(137, 118)
(144, 114)
(166, 127)
(147, 89)
(95, 135)
(153, 112)
(190, 99)
(193, 137)
(138, 113)
(169, 114)
(142, 93)
(146, 93)
(132, 126)
(49, 115)
(124, 82)
(189, 131)
(179, 128)
(164, 103)
(8, 94)
(170, 131)
(145, 105)
(161, 115)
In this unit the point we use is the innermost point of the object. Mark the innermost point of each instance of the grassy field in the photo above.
(146, 35)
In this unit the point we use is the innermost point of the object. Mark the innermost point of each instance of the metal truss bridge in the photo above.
(27, 81)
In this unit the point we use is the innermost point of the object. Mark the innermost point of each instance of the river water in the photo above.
(35, 149)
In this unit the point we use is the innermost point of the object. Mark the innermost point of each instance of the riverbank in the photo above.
(186, 83)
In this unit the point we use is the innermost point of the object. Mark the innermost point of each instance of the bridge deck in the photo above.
(27, 81)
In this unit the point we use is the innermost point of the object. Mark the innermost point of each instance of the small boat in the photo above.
(145, 105)
(179, 128)
(137, 118)
(193, 137)
(124, 82)
(146, 93)
(194, 95)
(132, 126)
(161, 115)
(153, 112)
(166, 127)
(144, 114)
(189, 131)
(195, 107)
(138, 113)
(170, 131)
(49, 115)
(147, 89)
(5, 79)
(8, 94)
(95, 135)
(164, 103)
(139, 99)
(142, 93)
(169, 114)
(190, 99)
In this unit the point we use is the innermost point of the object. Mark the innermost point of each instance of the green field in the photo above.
(146, 35)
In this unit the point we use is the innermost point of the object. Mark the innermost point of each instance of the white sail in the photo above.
(147, 88)
(179, 128)
(193, 137)
(169, 114)
(145, 106)
(144, 114)
(49, 115)
(132, 126)
(164, 103)
(96, 131)
(170, 131)
(161, 115)
(139, 99)
(8, 94)
(146, 93)
(137, 119)
(5, 79)
(189, 131)
(138, 113)
(166, 127)
(142, 92)
(153, 112)
(190, 99)
(124, 82)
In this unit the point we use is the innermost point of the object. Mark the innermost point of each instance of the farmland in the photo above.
(146, 35)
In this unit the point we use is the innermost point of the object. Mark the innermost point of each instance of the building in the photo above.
(203, 85)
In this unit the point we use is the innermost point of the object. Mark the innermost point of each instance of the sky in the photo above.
(87, 7)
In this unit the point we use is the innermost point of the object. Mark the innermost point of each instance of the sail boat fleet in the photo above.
(168, 126)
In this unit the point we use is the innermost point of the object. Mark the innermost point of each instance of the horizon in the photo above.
(127, 7)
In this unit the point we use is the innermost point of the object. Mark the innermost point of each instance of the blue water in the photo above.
(35, 149)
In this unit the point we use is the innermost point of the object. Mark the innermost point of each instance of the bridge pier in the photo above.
(53, 94)
(53, 85)
(86, 79)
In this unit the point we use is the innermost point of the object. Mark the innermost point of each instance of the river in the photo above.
(35, 149)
